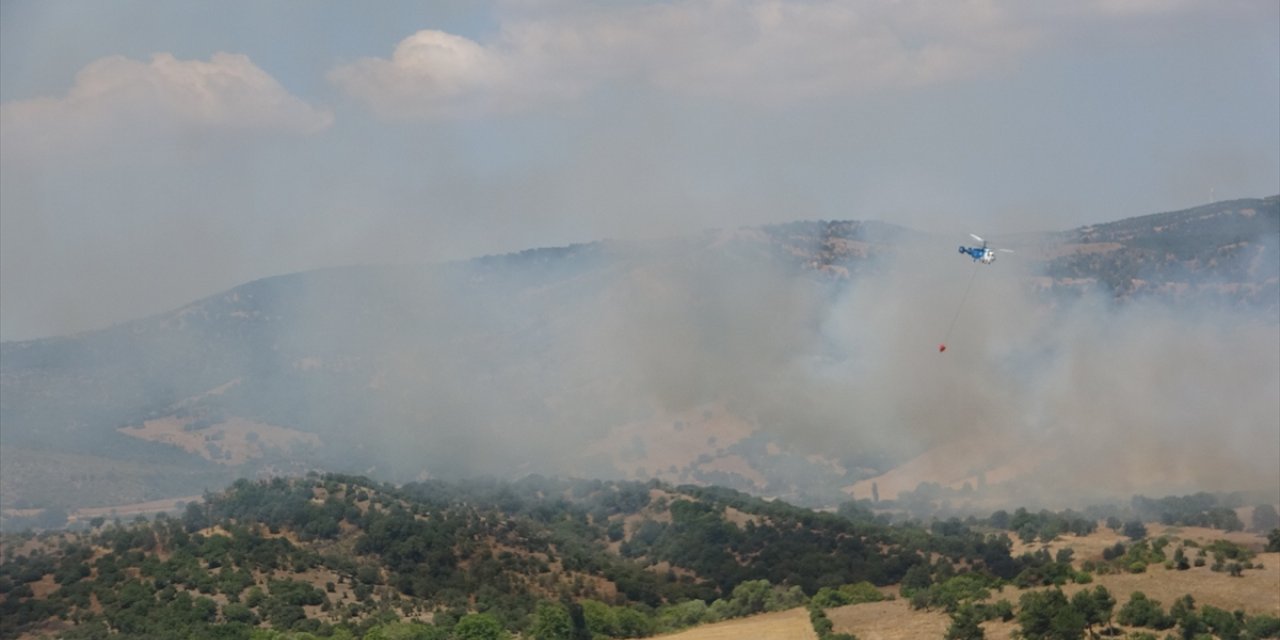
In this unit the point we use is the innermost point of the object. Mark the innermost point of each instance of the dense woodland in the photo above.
(345, 557)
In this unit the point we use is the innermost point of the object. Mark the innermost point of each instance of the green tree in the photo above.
(632, 623)
(579, 619)
(551, 622)
(1095, 605)
(999, 519)
(1183, 611)
(1263, 626)
(966, 624)
(962, 588)
(1141, 611)
(239, 612)
(752, 596)
(917, 577)
(1221, 622)
(479, 626)
(1135, 530)
(600, 618)
(1048, 615)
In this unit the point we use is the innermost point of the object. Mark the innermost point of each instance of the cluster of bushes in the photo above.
(1044, 525)
(1143, 612)
(1195, 510)
(1043, 569)
(1051, 614)
(1132, 558)
(1137, 557)
(858, 593)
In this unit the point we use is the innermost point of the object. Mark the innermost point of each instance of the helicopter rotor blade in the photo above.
(975, 237)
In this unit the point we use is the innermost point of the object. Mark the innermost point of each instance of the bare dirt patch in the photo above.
(1088, 547)
(741, 518)
(129, 510)
(1254, 541)
(232, 442)
(792, 624)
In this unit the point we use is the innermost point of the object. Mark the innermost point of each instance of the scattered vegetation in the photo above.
(343, 557)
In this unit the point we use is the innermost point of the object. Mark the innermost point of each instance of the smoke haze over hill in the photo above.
(788, 360)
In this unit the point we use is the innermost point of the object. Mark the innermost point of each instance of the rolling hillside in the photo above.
(346, 557)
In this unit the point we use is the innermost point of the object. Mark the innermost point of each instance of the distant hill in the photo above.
(663, 359)
(1224, 252)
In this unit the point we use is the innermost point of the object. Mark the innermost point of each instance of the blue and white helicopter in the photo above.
(982, 254)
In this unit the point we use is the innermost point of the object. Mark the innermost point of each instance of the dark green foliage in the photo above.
(1002, 609)
(787, 545)
(1262, 626)
(1040, 568)
(1111, 553)
(1227, 550)
(1141, 611)
(823, 626)
(479, 626)
(1096, 606)
(1221, 623)
(1183, 612)
(1196, 510)
(952, 593)
(551, 622)
(1045, 525)
(1264, 518)
(966, 624)
(1134, 530)
(828, 597)
(384, 553)
(1049, 615)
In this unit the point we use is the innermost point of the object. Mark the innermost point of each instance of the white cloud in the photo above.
(116, 95)
(764, 52)
(429, 71)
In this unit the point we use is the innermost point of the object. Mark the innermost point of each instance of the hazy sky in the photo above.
(152, 153)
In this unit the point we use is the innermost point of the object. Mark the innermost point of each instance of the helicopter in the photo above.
(982, 254)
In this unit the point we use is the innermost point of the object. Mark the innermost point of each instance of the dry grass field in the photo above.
(889, 620)
(128, 511)
(1256, 592)
(230, 442)
(783, 625)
